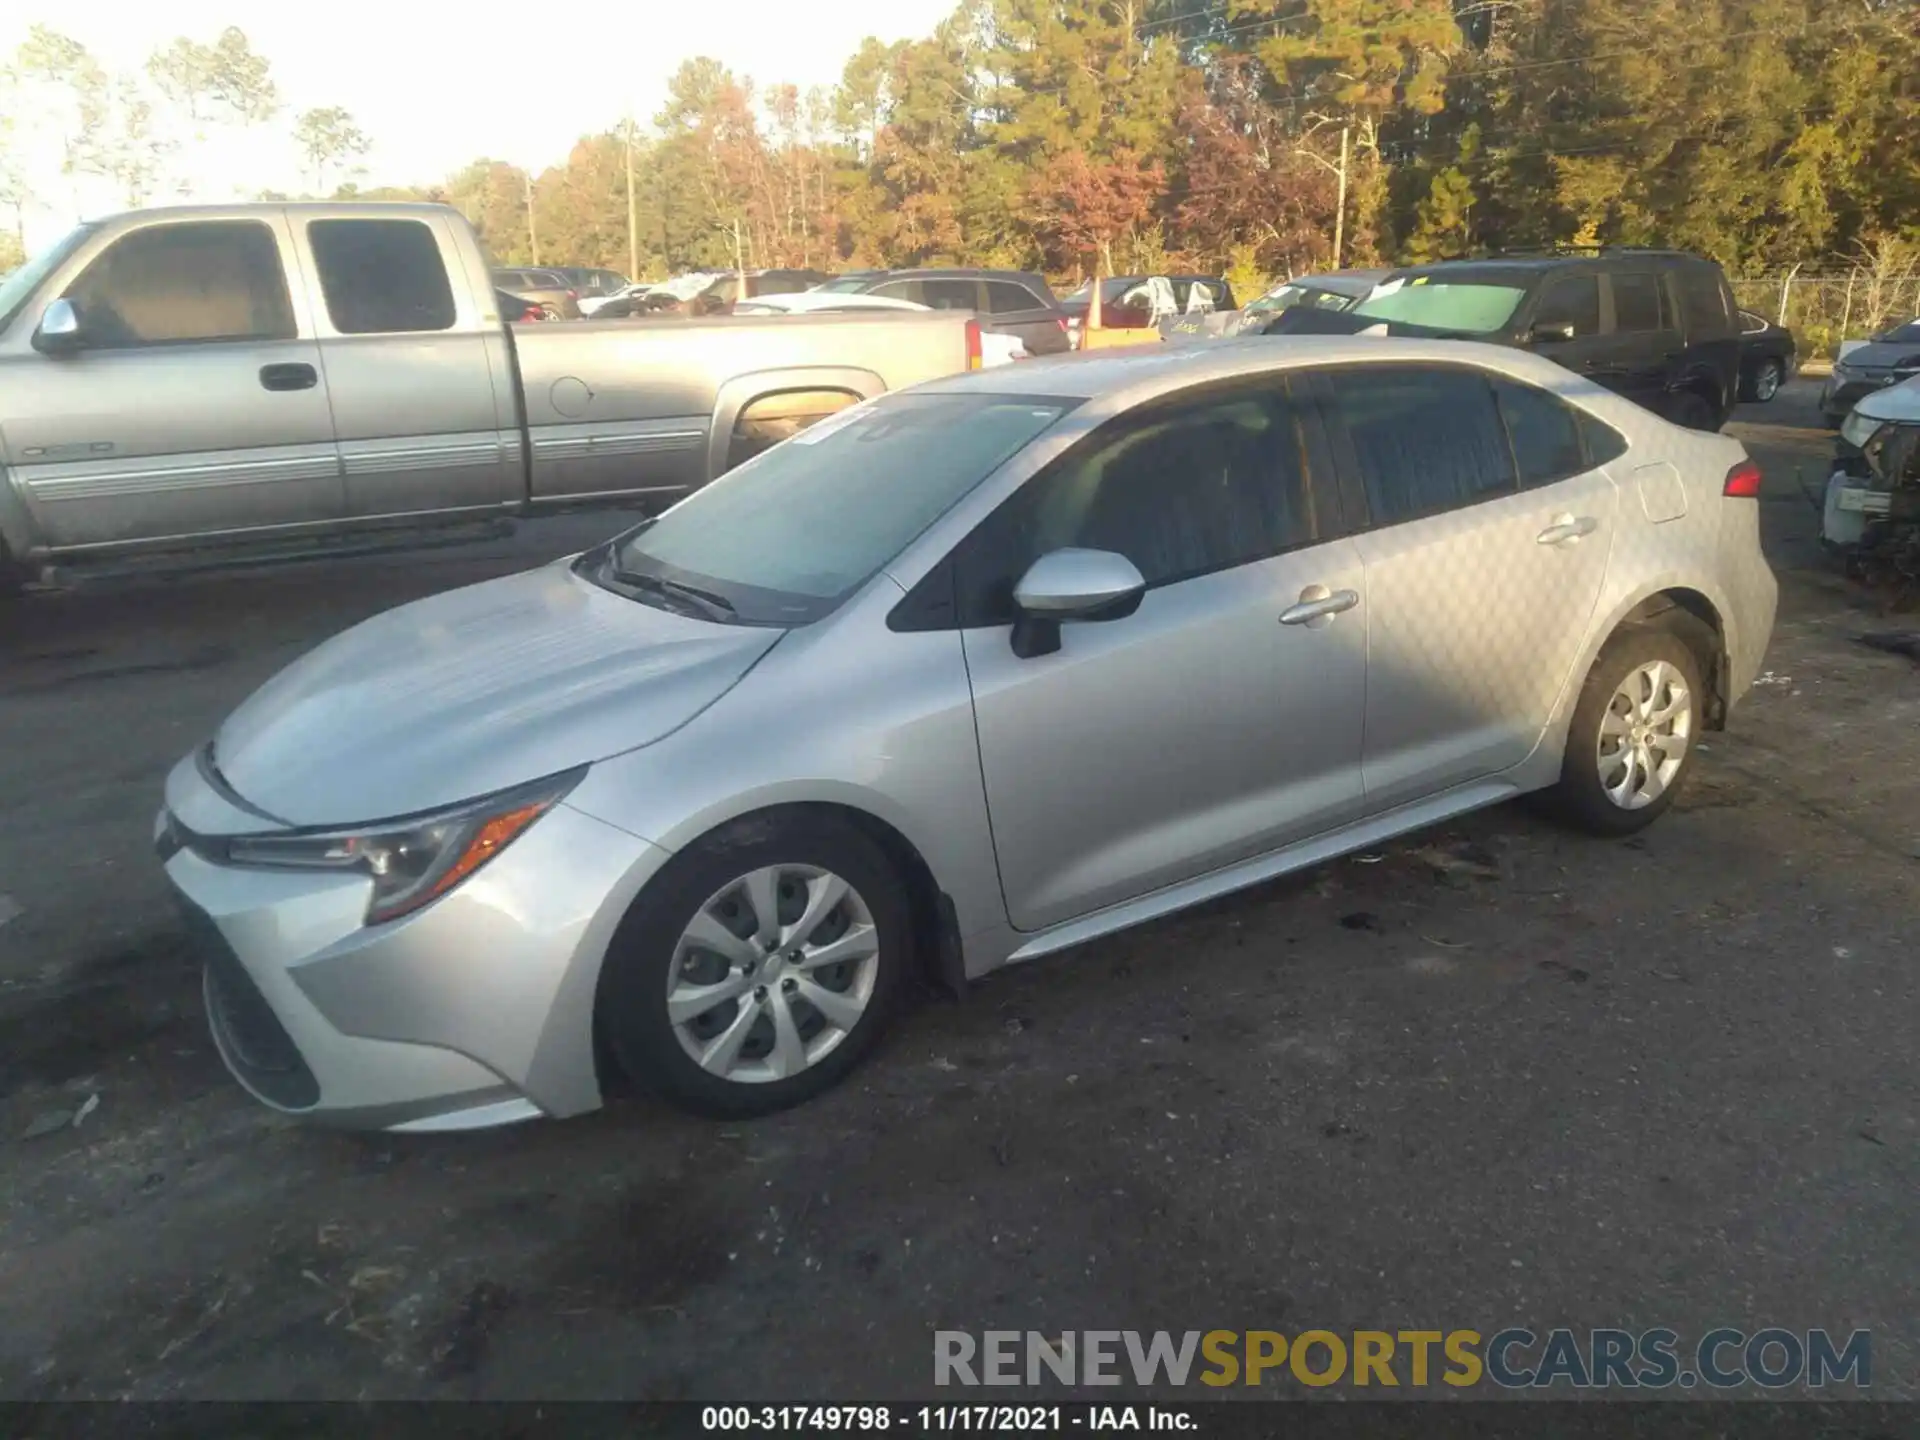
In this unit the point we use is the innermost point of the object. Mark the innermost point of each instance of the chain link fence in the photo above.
(1824, 309)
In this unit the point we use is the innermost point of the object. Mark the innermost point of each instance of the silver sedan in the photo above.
(961, 676)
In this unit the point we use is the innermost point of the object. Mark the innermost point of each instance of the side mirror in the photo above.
(59, 331)
(1072, 585)
(1551, 332)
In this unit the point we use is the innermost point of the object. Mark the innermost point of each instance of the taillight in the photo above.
(974, 353)
(1743, 481)
(1062, 323)
(573, 294)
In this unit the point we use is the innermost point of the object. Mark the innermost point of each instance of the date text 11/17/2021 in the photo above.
(944, 1419)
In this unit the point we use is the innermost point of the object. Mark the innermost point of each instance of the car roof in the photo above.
(955, 272)
(1485, 270)
(1137, 374)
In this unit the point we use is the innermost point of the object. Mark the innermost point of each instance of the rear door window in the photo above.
(1571, 300)
(901, 290)
(951, 294)
(1544, 432)
(1009, 297)
(195, 283)
(1636, 303)
(381, 277)
(1426, 438)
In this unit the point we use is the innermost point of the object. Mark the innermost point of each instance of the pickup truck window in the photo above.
(191, 283)
(381, 277)
(17, 288)
(790, 534)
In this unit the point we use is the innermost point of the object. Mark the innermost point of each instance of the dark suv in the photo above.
(1658, 326)
(1009, 302)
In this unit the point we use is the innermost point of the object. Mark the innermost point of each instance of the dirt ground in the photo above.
(1496, 1075)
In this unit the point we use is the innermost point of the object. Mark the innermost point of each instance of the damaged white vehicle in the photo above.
(1872, 509)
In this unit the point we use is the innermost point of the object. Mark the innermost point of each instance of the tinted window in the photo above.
(1004, 297)
(381, 276)
(1636, 303)
(1544, 431)
(175, 284)
(901, 290)
(1603, 442)
(1427, 438)
(1704, 300)
(950, 294)
(1571, 300)
(1180, 488)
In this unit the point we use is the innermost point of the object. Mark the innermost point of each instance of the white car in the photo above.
(1852, 498)
(591, 303)
(994, 349)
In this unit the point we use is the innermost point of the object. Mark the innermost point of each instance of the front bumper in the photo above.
(475, 1010)
(1840, 395)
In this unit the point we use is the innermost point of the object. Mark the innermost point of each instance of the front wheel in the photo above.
(1631, 740)
(759, 967)
(1767, 381)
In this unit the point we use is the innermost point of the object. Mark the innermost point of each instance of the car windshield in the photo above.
(789, 535)
(846, 285)
(1907, 334)
(1466, 309)
(18, 286)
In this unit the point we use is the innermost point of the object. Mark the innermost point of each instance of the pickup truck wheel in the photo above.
(1630, 744)
(758, 968)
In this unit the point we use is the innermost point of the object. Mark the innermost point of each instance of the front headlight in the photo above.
(414, 860)
(1858, 429)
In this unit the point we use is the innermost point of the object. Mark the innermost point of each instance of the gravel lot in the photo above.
(1501, 1075)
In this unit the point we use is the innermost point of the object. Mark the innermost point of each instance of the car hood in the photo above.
(472, 691)
(1880, 356)
(1899, 403)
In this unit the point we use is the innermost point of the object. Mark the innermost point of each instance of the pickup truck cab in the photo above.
(261, 377)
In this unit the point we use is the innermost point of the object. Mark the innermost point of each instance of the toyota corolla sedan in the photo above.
(961, 676)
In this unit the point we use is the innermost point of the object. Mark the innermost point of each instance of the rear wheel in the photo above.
(1767, 381)
(759, 967)
(1630, 744)
(1692, 411)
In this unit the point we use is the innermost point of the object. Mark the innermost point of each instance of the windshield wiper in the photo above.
(717, 607)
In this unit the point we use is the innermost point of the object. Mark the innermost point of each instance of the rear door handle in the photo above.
(288, 377)
(1567, 529)
(1318, 605)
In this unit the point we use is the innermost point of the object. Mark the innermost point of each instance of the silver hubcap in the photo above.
(1644, 735)
(1768, 384)
(772, 973)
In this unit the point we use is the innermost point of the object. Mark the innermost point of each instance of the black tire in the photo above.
(631, 1006)
(1579, 797)
(1692, 411)
(1767, 378)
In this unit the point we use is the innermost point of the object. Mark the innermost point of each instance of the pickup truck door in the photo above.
(196, 401)
(417, 366)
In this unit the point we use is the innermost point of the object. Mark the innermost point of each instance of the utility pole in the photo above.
(1340, 214)
(533, 233)
(739, 267)
(633, 210)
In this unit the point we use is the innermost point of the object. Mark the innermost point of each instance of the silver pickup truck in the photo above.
(259, 377)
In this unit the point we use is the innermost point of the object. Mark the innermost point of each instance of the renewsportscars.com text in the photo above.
(1513, 1358)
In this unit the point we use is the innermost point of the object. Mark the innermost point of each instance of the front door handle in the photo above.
(1566, 529)
(288, 377)
(1318, 605)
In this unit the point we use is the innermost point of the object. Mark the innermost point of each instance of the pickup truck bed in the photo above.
(248, 377)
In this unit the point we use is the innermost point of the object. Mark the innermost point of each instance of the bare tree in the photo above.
(329, 140)
(226, 80)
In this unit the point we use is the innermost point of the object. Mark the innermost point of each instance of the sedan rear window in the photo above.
(790, 534)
